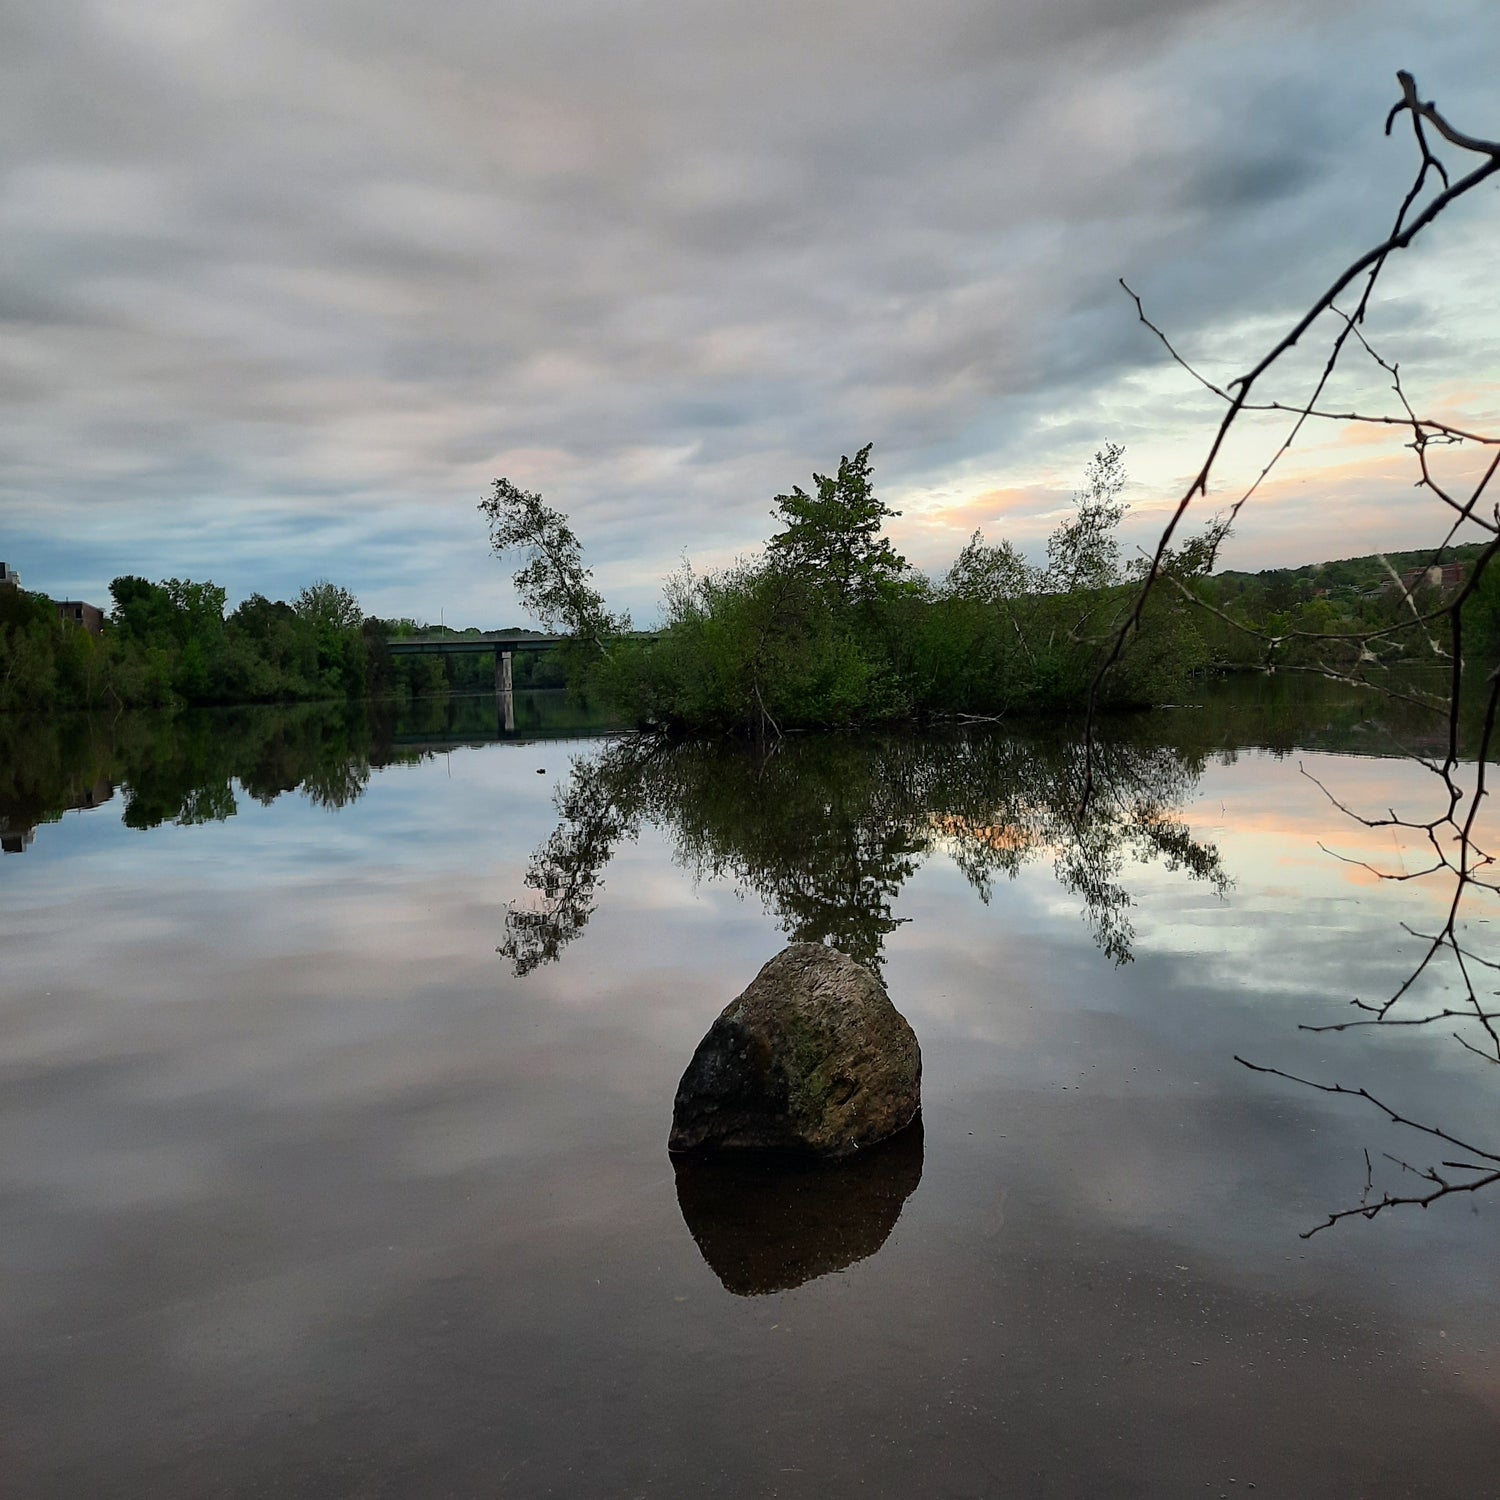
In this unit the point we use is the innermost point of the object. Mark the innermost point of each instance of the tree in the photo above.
(1084, 552)
(328, 605)
(553, 582)
(260, 618)
(141, 608)
(198, 607)
(988, 574)
(334, 617)
(834, 536)
(176, 609)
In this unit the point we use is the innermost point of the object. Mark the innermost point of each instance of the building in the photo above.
(18, 823)
(9, 578)
(76, 612)
(16, 840)
(1443, 576)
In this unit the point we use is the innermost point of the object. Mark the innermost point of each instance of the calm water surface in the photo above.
(338, 1061)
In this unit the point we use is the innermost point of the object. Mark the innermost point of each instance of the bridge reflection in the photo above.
(519, 717)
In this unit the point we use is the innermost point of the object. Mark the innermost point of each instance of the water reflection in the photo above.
(20, 815)
(826, 831)
(186, 769)
(302, 1189)
(192, 768)
(767, 1222)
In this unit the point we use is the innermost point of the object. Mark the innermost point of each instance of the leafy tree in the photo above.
(260, 618)
(329, 607)
(141, 609)
(198, 608)
(1084, 552)
(553, 583)
(988, 574)
(28, 672)
(830, 629)
(834, 536)
(176, 610)
(168, 643)
(333, 617)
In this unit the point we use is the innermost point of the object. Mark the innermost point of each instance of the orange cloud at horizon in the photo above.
(1030, 502)
(1354, 493)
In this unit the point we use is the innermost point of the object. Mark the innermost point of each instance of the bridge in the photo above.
(501, 644)
(472, 645)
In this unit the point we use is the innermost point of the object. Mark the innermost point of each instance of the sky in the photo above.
(285, 286)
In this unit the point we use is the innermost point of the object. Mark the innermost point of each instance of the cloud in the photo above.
(341, 267)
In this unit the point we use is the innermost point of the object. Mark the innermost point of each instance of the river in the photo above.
(338, 1058)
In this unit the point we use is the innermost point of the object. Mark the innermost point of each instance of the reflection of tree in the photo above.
(1438, 1180)
(566, 870)
(48, 766)
(193, 761)
(338, 780)
(192, 767)
(183, 768)
(1452, 982)
(827, 830)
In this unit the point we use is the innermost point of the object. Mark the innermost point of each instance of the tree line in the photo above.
(170, 644)
(1382, 610)
(828, 626)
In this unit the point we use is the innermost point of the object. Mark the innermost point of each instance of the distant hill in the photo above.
(1345, 577)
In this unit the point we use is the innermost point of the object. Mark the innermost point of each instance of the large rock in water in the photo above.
(813, 1056)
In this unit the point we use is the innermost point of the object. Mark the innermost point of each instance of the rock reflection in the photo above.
(767, 1222)
(827, 830)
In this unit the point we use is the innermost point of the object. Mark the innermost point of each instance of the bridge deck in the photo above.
(465, 645)
(476, 645)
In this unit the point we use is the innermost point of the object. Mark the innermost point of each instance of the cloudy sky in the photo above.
(284, 286)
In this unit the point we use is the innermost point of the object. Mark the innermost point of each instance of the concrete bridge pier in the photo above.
(503, 693)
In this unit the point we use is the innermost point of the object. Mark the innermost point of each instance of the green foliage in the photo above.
(169, 644)
(329, 607)
(834, 538)
(335, 619)
(757, 642)
(828, 628)
(989, 575)
(1084, 552)
(1481, 619)
(1354, 615)
(552, 582)
(1344, 578)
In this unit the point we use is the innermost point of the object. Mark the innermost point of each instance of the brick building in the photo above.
(76, 612)
(1443, 576)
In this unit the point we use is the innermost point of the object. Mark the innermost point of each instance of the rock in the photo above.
(812, 1056)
